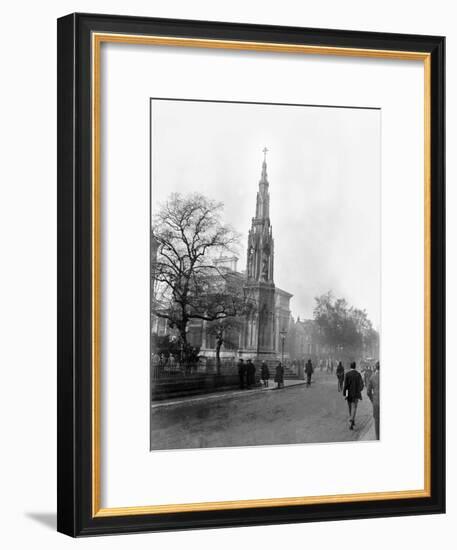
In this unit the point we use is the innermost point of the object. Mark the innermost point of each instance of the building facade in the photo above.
(260, 334)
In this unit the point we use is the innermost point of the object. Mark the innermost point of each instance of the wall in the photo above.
(28, 274)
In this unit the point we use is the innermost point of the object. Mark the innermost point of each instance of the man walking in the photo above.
(309, 372)
(352, 391)
(340, 375)
(242, 373)
(373, 394)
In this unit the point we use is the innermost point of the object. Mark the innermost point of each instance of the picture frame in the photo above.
(80, 509)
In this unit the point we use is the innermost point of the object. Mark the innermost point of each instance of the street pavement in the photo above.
(294, 414)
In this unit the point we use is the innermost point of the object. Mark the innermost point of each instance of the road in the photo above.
(260, 417)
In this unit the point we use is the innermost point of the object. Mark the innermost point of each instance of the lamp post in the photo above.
(283, 335)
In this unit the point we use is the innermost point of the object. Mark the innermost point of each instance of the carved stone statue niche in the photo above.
(265, 269)
(251, 262)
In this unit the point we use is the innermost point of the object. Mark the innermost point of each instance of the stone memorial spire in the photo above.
(260, 249)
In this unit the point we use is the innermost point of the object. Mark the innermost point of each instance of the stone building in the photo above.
(303, 341)
(261, 331)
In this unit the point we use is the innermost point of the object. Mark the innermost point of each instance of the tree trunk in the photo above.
(184, 345)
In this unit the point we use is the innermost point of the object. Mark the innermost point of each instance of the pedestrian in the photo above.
(250, 374)
(352, 391)
(362, 369)
(373, 394)
(340, 375)
(279, 376)
(309, 372)
(367, 375)
(242, 373)
(172, 362)
(265, 374)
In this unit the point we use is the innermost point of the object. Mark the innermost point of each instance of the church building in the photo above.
(262, 332)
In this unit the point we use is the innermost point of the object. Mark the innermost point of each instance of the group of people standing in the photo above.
(351, 383)
(246, 373)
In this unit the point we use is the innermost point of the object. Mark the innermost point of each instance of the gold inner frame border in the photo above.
(97, 40)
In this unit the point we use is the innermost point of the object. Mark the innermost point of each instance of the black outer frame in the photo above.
(74, 494)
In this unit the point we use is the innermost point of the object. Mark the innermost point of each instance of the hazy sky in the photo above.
(324, 174)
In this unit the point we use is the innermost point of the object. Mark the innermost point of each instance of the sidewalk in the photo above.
(222, 394)
(368, 433)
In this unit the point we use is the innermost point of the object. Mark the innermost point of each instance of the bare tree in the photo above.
(225, 309)
(188, 234)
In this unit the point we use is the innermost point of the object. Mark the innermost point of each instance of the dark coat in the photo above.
(265, 372)
(241, 368)
(279, 376)
(250, 370)
(309, 369)
(340, 371)
(353, 385)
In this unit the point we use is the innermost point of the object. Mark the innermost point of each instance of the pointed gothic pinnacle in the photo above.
(264, 176)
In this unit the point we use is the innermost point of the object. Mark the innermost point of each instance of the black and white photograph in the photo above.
(265, 254)
(227, 236)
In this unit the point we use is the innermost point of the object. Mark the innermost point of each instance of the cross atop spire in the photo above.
(264, 151)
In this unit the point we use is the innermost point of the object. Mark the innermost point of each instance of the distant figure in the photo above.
(279, 376)
(250, 374)
(340, 375)
(362, 371)
(331, 366)
(373, 394)
(352, 391)
(265, 374)
(367, 375)
(242, 373)
(309, 372)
